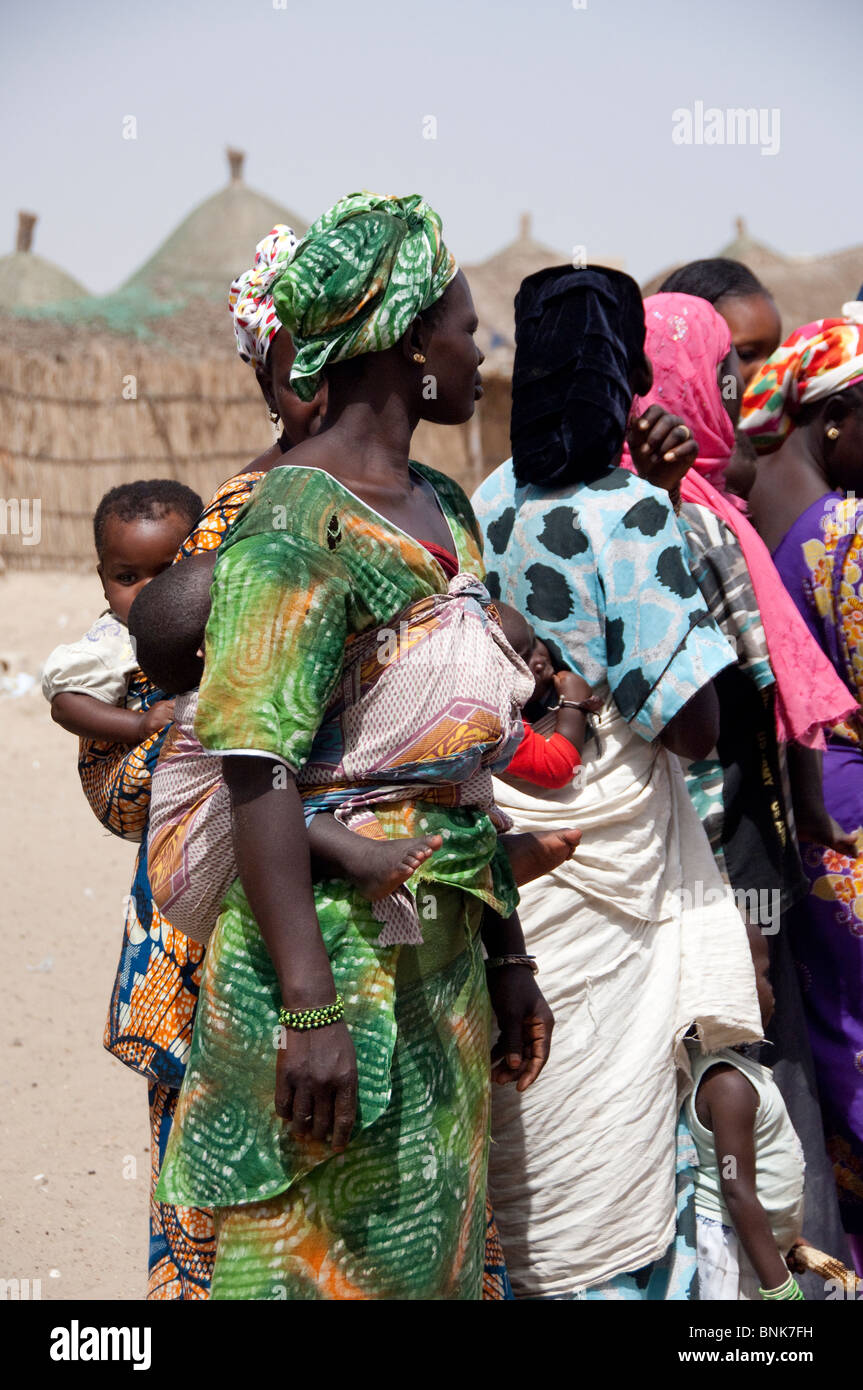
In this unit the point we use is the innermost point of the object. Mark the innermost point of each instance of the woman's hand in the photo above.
(662, 447)
(525, 1023)
(825, 830)
(814, 823)
(316, 1083)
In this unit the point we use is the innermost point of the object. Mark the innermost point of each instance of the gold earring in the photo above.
(419, 357)
(832, 432)
(274, 416)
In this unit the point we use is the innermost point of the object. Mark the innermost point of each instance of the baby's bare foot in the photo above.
(538, 852)
(389, 863)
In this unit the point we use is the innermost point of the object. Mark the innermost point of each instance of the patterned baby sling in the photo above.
(427, 708)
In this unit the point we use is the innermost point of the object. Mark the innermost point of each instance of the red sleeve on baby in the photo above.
(549, 763)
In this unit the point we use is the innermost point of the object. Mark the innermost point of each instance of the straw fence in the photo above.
(73, 425)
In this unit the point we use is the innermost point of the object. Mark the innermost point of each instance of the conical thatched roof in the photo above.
(214, 243)
(28, 280)
(815, 288)
(494, 284)
(761, 258)
(804, 287)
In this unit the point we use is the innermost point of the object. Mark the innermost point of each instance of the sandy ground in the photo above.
(74, 1154)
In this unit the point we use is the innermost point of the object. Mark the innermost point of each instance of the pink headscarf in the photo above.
(686, 341)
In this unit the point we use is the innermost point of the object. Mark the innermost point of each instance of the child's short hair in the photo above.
(145, 499)
(167, 622)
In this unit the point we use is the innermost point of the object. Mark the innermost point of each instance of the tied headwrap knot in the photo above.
(414, 220)
(250, 298)
(358, 279)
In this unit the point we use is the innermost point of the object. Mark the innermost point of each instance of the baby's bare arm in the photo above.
(88, 717)
(572, 723)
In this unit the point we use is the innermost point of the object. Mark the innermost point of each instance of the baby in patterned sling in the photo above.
(191, 859)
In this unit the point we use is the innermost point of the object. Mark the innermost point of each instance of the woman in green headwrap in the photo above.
(347, 1158)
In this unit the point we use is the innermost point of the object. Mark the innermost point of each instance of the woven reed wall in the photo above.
(67, 435)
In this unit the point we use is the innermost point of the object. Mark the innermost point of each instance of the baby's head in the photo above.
(138, 529)
(516, 629)
(167, 623)
(525, 643)
(542, 669)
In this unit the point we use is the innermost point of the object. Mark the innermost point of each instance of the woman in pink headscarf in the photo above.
(697, 376)
(763, 772)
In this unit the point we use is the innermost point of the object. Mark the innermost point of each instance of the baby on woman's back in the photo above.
(191, 856)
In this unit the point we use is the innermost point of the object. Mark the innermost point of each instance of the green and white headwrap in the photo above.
(358, 279)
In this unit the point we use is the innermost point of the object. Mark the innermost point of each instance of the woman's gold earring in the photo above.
(419, 357)
(274, 416)
(832, 433)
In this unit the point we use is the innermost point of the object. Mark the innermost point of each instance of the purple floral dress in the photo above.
(820, 560)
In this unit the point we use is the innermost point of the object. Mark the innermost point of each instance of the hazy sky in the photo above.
(540, 106)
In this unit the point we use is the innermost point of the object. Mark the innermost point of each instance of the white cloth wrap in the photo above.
(582, 1174)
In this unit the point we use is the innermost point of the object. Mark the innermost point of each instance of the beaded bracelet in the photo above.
(494, 961)
(312, 1018)
(790, 1291)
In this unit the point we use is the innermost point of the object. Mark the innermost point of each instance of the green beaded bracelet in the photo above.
(789, 1292)
(312, 1018)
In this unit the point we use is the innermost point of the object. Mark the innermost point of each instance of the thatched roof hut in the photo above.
(142, 383)
(494, 284)
(804, 287)
(83, 409)
(28, 280)
(215, 242)
(146, 382)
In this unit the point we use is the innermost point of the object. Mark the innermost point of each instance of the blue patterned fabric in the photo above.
(182, 1239)
(569, 558)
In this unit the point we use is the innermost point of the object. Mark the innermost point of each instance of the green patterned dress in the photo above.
(400, 1214)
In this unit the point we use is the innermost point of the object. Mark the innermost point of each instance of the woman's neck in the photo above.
(786, 485)
(374, 445)
(365, 437)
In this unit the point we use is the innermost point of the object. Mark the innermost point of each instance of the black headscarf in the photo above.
(578, 336)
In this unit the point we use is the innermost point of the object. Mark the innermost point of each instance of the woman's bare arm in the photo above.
(316, 1070)
(693, 731)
